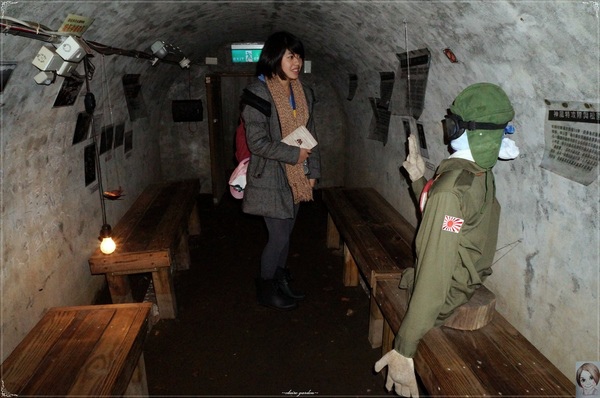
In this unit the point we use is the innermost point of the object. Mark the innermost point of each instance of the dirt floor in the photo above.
(224, 344)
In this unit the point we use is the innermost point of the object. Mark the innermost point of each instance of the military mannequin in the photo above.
(457, 235)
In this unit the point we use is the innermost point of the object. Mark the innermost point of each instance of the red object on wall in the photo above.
(450, 55)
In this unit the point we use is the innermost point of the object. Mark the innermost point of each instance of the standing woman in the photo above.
(279, 176)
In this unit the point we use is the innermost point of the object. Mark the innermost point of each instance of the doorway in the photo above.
(223, 91)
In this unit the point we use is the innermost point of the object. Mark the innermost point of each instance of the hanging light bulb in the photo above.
(107, 245)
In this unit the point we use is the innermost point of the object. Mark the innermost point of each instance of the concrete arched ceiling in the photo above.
(340, 37)
(536, 49)
(343, 34)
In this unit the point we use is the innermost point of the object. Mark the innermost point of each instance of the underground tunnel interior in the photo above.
(545, 54)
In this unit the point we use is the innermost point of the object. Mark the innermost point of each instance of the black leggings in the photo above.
(277, 248)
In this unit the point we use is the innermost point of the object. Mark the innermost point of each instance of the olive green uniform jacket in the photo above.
(455, 247)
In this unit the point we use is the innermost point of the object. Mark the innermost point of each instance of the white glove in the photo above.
(401, 373)
(414, 164)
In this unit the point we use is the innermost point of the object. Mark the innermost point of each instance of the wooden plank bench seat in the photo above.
(89, 351)
(495, 360)
(152, 237)
(377, 241)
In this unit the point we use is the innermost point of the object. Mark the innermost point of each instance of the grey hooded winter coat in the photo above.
(267, 192)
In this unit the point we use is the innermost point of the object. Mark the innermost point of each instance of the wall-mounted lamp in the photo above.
(73, 49)
(45, 78)
(48, 60)
(165, 51)
(160, 49)
(61, 61)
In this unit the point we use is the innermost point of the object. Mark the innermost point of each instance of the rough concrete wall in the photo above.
(50, 219)
(547, 264)
(330, 128)
(185, 147)
(546, 283)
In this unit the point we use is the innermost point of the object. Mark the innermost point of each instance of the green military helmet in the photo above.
(484, 103)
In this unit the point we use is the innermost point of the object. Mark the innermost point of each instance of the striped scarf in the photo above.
(298, 181)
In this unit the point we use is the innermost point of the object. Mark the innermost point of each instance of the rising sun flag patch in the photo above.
(452, 224)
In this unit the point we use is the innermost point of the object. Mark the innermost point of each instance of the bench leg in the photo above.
(387, 342)
(120, 290)
(138, 385)
(375, 324)
(182, 254)
(194, 221)
(165, 293)
(350, 269)
(333, 235)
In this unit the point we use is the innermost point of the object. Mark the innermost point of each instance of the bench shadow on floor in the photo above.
(223, 343)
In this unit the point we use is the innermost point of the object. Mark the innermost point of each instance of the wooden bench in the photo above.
(494, 360)
(152, 237)
(377, 241)
(489, 357)
(87, 351)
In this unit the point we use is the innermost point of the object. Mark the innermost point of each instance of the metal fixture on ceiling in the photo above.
(69, 49)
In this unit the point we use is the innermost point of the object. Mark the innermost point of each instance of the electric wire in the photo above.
(107, 96)
(107, 92)
(97, 157)
(35, 30)
(407, 66)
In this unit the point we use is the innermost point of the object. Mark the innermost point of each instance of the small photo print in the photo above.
(89, 163)
(69, 91)
(422, 140)
(6, 69)
(587, 378)
(82, 128)
(128, 141)
(106, 139)
(119, 134)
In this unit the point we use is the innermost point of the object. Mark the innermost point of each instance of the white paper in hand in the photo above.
(301, 137)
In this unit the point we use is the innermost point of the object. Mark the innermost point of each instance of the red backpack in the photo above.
(241, 146)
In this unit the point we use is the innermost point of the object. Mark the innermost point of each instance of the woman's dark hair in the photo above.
(269, 63)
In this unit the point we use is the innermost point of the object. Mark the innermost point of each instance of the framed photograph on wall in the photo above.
(82, 127)
(119, 134)
(68, 91)
(96, 125)
(89, 163)
(6, 69)
(422, 140)
(106, 139)
(133, 97)
(128, 141)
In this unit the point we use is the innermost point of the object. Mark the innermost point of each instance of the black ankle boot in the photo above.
(270, 295)
(283, 278)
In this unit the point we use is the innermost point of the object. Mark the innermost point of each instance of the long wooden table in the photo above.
(88, 351)
(152, 237)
